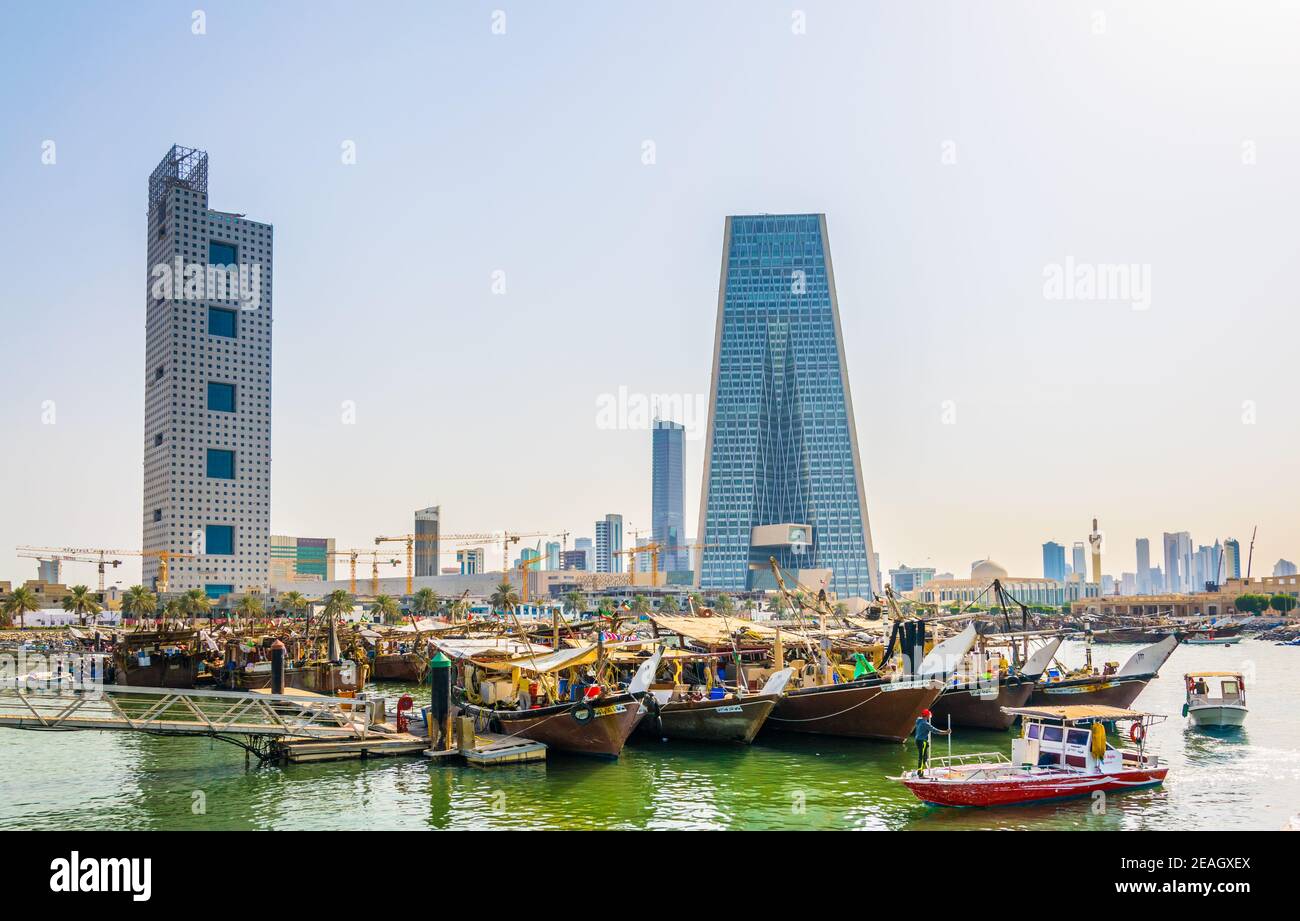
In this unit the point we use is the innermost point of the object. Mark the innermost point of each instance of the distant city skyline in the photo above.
(462, 277)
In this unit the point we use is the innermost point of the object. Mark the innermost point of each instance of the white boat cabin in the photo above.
(1061, 737)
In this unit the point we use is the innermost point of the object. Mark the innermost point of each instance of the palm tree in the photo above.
(174, 610)
(20, 601)
(669, 605)
(385, 608)
(777, 604)
(138, 602)
(425, 601)
(293, 602)
(640, 605)
(574, 601)
(195, 602)
(725, 605)
(249, 606)
(697, 600)
(81, 602)
(505, 596)
(338, 603)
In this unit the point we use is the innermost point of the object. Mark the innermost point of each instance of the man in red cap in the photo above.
(924, 729)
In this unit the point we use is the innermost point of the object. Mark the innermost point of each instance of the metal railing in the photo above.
(183, 712)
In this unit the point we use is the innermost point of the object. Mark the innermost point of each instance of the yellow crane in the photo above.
(410, 540)
(103, 557)
(654, 550)
(374, 555)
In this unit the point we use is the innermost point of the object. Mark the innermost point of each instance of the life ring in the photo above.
(583, 712)
(1137, 732)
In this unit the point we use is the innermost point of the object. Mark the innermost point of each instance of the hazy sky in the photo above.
(960, 151)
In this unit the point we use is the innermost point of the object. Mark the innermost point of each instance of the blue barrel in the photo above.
(717, 693)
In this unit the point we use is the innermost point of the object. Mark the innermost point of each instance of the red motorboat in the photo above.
(1062, 752)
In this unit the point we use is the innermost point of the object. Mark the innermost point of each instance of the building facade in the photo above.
(1054, 561)
(1232, 558)
(667, 488)
(471, 562)
(207, 423)
(1143, 573)
(908, 578)
(588, 548)
(609, 544)
(1179, 576)
(782, 471)
(574, 560)
(426, 540)
(301, 559)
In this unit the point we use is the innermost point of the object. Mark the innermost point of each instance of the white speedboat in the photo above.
(1215, 699)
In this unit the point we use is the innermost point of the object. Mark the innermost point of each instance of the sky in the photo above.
(533, 224)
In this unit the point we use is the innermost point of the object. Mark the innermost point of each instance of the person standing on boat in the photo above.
(924, 729)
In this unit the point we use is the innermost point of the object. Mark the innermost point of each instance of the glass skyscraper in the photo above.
(782, 474)
(1054, 561)
(667, 513)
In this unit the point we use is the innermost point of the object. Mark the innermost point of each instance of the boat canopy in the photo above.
(1081, 713)
(550, 661)
(1212, 675)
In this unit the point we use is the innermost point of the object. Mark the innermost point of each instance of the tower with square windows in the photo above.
(782, 474)
(207, 425)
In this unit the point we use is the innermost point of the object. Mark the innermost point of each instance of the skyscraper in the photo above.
(207, 417)
(1079, 560)
(1178, 561)
(426, 540)
(552, 555)
(471, 561)
(1232, 563)
(588, 549)
(609, 543)
(667, 513)
(782, 472)
(1143, 566)
(1054, 561)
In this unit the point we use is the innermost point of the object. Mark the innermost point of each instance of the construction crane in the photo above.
(411, 539)
(654, 550)
(523, 576)
(54, 556)
(103, 558)
(352, 556)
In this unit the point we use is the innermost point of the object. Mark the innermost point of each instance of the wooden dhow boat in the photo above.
(1112, 687)
(982, 693)
(559, 698)
(713, 712)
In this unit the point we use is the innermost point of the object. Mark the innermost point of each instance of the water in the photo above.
(1249, 779)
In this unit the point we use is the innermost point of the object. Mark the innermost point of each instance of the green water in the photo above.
(102, 780)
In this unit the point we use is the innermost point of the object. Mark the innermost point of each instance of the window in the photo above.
(157, 439)
(158, 373)
(221, 397)
(219, 540)
(221, 464)
(222, 253)
(216, 591)
(221, 322)
(157, 514)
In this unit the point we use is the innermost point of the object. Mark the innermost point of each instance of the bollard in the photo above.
(440, 699)
(277, 667)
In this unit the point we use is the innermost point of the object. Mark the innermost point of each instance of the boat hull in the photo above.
(600, 727)
(177, 672)
(1110, 692)
(1217, 716)
(1213, 641)
(709, 720)
(973, 708)
(1009, 791)
(322, 679)
(403, 667)
(858, 709)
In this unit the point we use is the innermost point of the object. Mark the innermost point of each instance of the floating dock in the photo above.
(489, 749)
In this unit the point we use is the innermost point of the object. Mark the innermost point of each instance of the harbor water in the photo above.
(1244, 779)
